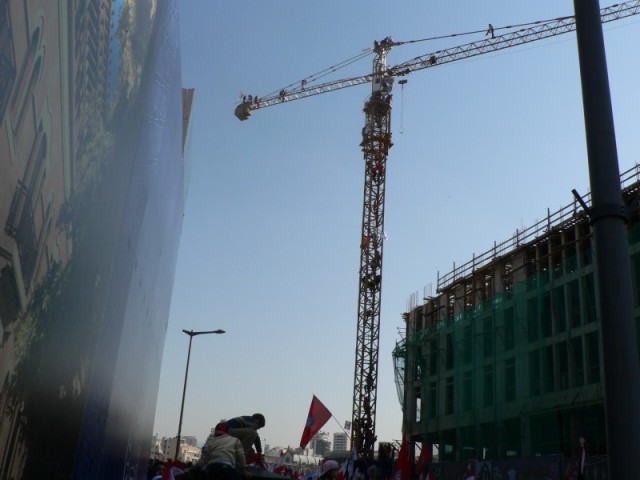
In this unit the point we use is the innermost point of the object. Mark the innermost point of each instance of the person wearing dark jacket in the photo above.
(245, 428)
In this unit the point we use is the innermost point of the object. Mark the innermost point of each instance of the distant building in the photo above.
(340, 442)
(304, 461)
(156, 451)
(188, 451)
(320, 444)
(168, 446)
(272, 455)
(193, 441)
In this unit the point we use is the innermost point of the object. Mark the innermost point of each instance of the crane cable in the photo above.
(299, 85)
(475, 32)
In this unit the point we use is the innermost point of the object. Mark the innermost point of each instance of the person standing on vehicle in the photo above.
(245, 428)
(223, 456)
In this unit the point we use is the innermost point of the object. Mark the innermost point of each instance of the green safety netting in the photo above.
(516, 375)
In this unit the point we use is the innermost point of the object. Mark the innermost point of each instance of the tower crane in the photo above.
(376, 142)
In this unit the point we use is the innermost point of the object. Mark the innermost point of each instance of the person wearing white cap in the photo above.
(330, 470)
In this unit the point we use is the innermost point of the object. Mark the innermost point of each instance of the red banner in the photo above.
(318, 416)
(402, 470)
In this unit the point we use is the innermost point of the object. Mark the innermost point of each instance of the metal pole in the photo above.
(191, 334)
(184, 391)
(613, 272)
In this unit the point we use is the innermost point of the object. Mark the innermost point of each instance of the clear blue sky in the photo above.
(270, 246)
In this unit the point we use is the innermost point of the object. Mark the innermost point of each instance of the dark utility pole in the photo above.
(191, 334)
(613, 272)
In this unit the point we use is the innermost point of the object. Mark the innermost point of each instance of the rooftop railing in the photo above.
(566, 215)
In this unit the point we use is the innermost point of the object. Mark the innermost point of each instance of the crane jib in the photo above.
(517, 37)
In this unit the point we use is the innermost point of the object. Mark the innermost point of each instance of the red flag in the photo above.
(318, 416)
(424, 460)
(403, 465)
(172, 469)
(471, 471)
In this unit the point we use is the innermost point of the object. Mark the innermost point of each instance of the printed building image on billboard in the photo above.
(91, 204)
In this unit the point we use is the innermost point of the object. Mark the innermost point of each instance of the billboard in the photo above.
(91, 204)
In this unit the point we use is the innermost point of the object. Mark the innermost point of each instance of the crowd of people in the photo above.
(232, 445)
(233, 451)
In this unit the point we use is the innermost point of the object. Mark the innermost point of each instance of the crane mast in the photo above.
(376, 142)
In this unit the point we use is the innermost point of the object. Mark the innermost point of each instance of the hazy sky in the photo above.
(270, 246)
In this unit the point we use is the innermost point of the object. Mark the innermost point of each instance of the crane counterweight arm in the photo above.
(244, 109)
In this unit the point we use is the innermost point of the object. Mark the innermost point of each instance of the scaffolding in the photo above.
(505, 362)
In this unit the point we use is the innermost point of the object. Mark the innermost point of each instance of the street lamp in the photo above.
(191, 334)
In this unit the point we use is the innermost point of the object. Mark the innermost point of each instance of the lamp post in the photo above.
(191, 334)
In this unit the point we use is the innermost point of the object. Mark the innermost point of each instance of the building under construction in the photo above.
(505, 361)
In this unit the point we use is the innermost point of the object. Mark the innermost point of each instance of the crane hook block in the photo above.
(243, 111)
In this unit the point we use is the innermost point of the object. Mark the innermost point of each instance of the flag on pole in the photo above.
(470, 473)
(403, 465)
(347, 425)
(172, 469)
(583, 456)
(278, 465)
(351, 461)
(342, 473)
(425, 459)
(318, 416)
